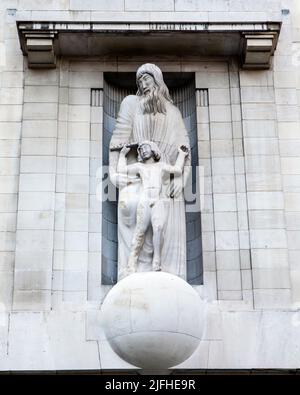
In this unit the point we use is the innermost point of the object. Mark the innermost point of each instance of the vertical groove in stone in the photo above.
(202, 97)
(96, 97)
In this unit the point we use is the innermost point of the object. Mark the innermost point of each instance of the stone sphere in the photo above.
(153, 320)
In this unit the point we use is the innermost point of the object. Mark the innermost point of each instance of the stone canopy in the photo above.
(254, 43)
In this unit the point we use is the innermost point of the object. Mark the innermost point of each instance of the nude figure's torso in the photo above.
(151, 177)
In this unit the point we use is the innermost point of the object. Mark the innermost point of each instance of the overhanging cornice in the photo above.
(253, 42)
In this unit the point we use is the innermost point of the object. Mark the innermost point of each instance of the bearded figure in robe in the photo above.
(151, 116)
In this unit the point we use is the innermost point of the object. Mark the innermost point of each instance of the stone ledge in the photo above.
(258, 48)
(40, 50)
(253, 42)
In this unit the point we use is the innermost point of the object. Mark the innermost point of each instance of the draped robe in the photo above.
(168, 132)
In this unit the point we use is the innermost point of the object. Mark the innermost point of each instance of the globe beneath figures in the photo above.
(153, 320)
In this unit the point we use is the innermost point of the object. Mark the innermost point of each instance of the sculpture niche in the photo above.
(152, 319)
(150, 178)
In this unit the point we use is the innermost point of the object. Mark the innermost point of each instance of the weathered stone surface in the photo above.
(132, 346)
(51, 218)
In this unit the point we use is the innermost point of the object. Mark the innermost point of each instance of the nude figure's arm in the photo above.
(123, 168)
(177, 169)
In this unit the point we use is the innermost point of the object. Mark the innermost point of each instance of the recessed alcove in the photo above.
(182, 90)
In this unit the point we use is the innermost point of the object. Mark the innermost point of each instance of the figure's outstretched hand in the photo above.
(125, 150)
(184, 149)
(174, 189)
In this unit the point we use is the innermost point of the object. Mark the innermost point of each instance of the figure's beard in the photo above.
(153, 103)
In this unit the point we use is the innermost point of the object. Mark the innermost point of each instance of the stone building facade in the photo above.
(61, 63)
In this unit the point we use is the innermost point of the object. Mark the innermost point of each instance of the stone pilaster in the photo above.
(36, 200)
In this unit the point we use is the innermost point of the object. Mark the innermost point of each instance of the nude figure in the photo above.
(150, 209)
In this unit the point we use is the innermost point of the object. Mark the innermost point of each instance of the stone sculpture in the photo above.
(150, 208)
(150, 116)
(151, 319)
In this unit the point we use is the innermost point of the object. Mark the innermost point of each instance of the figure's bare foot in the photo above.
(156, 266)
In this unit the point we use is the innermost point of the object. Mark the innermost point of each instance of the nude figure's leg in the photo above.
(142, 223)
(157, 219)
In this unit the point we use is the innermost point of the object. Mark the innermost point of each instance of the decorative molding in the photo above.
(202, 97)
(258, 49)
(96, 97)
(253, 42)
(110, 27)
(40, 50)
